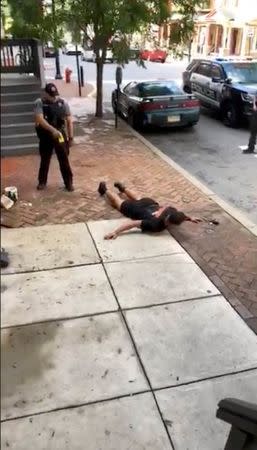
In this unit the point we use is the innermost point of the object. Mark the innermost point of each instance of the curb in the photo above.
(231, 210)
(93, 92)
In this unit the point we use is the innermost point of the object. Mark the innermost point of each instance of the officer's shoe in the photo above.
(247, 151)
(70, 187)
(41, 186)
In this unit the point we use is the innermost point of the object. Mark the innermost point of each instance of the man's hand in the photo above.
(195, 220)
(112, 235)
(56, 134)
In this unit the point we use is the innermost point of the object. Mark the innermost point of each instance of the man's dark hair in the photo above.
(173, 216)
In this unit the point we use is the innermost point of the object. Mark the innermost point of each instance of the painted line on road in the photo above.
(231, 210)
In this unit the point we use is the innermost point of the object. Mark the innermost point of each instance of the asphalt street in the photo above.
(210, 151)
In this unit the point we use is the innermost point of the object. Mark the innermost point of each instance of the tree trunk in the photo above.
(99, 87)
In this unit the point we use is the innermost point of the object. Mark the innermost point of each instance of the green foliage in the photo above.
(29, 21)
(101, 20)
(183, 28)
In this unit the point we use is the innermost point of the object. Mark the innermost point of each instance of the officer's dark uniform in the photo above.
(253, 130)
(54, 113)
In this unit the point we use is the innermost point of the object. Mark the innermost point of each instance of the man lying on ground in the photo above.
(144, 213)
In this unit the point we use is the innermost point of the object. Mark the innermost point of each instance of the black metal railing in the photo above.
(20, 56)
(242, 417)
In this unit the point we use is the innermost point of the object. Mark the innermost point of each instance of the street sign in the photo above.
(118, 76)
(118, 82)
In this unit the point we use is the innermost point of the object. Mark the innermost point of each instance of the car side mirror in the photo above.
(228, 80)
(216, 79)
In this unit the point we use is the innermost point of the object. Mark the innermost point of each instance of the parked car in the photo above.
(226, 85)
(156, 103)
(133, 54)
(88, 55)
(144, 54)
(48, 51)
(109, 56)
(154, 55)
(70, 49)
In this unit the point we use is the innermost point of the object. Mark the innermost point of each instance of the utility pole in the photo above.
(58, 75)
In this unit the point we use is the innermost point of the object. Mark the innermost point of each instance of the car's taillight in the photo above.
(191, 104)
(149, 106)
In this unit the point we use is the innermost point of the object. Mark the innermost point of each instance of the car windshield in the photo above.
(242, 72)
(156, 89)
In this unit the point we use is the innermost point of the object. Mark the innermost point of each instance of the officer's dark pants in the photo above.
(253, 131)
(46, 146)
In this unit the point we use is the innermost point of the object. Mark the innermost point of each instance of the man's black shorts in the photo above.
(139, 209)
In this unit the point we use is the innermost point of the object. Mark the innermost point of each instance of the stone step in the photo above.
(22, 96)
(18, 139)
(16, 107)
(14, 150)
(17, 128)
(15, 117)
(13, 88)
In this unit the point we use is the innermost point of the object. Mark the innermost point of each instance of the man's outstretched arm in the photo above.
(124, 227)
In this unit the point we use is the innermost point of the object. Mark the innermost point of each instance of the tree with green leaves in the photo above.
(108, 23)
(182, 31)
(31, 19)
(40, 20)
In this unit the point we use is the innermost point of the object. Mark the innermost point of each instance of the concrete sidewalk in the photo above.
(227, 253)
(115, 345)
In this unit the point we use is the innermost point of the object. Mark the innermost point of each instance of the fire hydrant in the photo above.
(67, 75)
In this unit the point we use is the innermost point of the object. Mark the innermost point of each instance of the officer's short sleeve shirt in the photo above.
(38, 107)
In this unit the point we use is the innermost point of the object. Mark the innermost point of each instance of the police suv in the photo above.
(223, 84)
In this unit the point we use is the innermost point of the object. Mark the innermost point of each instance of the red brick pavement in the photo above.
(226, 253)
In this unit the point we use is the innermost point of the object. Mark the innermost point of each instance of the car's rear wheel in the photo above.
(114, 105)
(230, 115)
(133, 120)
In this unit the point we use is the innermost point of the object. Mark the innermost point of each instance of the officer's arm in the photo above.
(69, 120)
(69, 126)
(40, 121)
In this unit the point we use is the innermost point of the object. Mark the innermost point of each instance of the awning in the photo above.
(224, 16)
(217, 16)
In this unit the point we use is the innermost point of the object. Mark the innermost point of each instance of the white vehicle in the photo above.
(88, 55)
(70, 49)
(109, 56)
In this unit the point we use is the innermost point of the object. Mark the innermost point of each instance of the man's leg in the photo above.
(61, 151)
(128, 192)
(45, 151)
(253, 131)
(252, 140)
(113, 198)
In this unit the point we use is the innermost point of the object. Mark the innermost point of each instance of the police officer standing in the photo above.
(253, 128)
(54, 128)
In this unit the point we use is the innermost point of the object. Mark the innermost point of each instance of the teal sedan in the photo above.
(156, 103)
